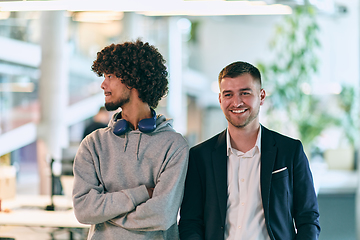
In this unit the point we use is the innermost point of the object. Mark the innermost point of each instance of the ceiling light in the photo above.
(98, 17)
(4, 15)
(216, 8)
(153, 7)
(16, 6)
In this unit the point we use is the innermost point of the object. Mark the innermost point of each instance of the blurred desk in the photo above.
(29, 211)
(338, 182)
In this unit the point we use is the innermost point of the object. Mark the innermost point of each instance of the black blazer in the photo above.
(288, 196)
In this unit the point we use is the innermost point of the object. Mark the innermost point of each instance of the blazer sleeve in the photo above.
(191, 224)
(306, 211)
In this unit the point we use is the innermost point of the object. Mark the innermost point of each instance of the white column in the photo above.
(53, 93)
(176, 99)
(132, 27)
(357, 145)
(357, 196)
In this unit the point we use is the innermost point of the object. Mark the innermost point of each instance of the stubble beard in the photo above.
(112, 106)
(248, 120)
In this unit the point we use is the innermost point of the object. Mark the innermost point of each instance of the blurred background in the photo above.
(308, 52)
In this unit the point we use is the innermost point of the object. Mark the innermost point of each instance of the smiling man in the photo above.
(129, 176)
(248, 182)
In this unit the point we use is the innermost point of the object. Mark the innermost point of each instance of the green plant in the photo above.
(291, 105)
(348, 101)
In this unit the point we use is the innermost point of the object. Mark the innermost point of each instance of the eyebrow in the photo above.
(240, 90)
(245, 89)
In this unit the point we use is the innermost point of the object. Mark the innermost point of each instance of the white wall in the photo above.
(233, 38)
(340, 45)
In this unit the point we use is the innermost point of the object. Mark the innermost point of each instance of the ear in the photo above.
(220, 98)
(262, 96)
(134, 92)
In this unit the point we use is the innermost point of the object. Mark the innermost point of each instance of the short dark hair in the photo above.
(139, 65)
(239, 68)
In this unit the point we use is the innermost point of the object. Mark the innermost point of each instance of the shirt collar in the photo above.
(228, 143)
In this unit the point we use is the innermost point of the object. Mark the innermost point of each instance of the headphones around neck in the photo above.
(146, 125)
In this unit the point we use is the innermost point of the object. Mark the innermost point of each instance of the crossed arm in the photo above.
(140, 208)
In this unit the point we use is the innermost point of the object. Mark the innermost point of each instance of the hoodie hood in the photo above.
(162, 124)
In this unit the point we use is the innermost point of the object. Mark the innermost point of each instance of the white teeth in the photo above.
(238, 111)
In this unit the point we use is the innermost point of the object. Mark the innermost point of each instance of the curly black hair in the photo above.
(139, 65)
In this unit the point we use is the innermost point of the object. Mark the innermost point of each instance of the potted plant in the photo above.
(292, 107)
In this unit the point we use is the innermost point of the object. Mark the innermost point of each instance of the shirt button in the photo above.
(242, 204)
(239, 227)
(242, 180)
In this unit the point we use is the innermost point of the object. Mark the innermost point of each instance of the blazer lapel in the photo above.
(268, 157)
(219, 160)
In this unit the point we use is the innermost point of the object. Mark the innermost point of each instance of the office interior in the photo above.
(48, 93)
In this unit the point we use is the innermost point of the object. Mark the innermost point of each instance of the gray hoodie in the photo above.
(112, 174)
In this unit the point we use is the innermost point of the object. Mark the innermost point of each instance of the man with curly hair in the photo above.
(129, 176)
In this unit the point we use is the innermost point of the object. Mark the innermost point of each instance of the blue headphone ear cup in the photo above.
(120, 127)
(148, 124)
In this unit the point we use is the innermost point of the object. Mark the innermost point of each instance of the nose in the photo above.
(103, 84)
(237, 101)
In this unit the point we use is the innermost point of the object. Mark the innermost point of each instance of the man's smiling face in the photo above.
(240, 99)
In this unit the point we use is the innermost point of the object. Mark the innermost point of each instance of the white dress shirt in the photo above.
(245, 214)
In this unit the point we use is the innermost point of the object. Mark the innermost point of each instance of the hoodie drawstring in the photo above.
(126, 141)
(137, 148)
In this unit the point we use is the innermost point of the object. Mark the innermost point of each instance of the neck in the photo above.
(243, 139)
(134, 113)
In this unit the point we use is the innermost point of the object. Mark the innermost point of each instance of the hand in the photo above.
(150, 191)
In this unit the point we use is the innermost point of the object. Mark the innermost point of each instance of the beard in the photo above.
(246, 122)
(112, 106)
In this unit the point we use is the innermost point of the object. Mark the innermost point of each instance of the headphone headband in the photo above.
(146, 125)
